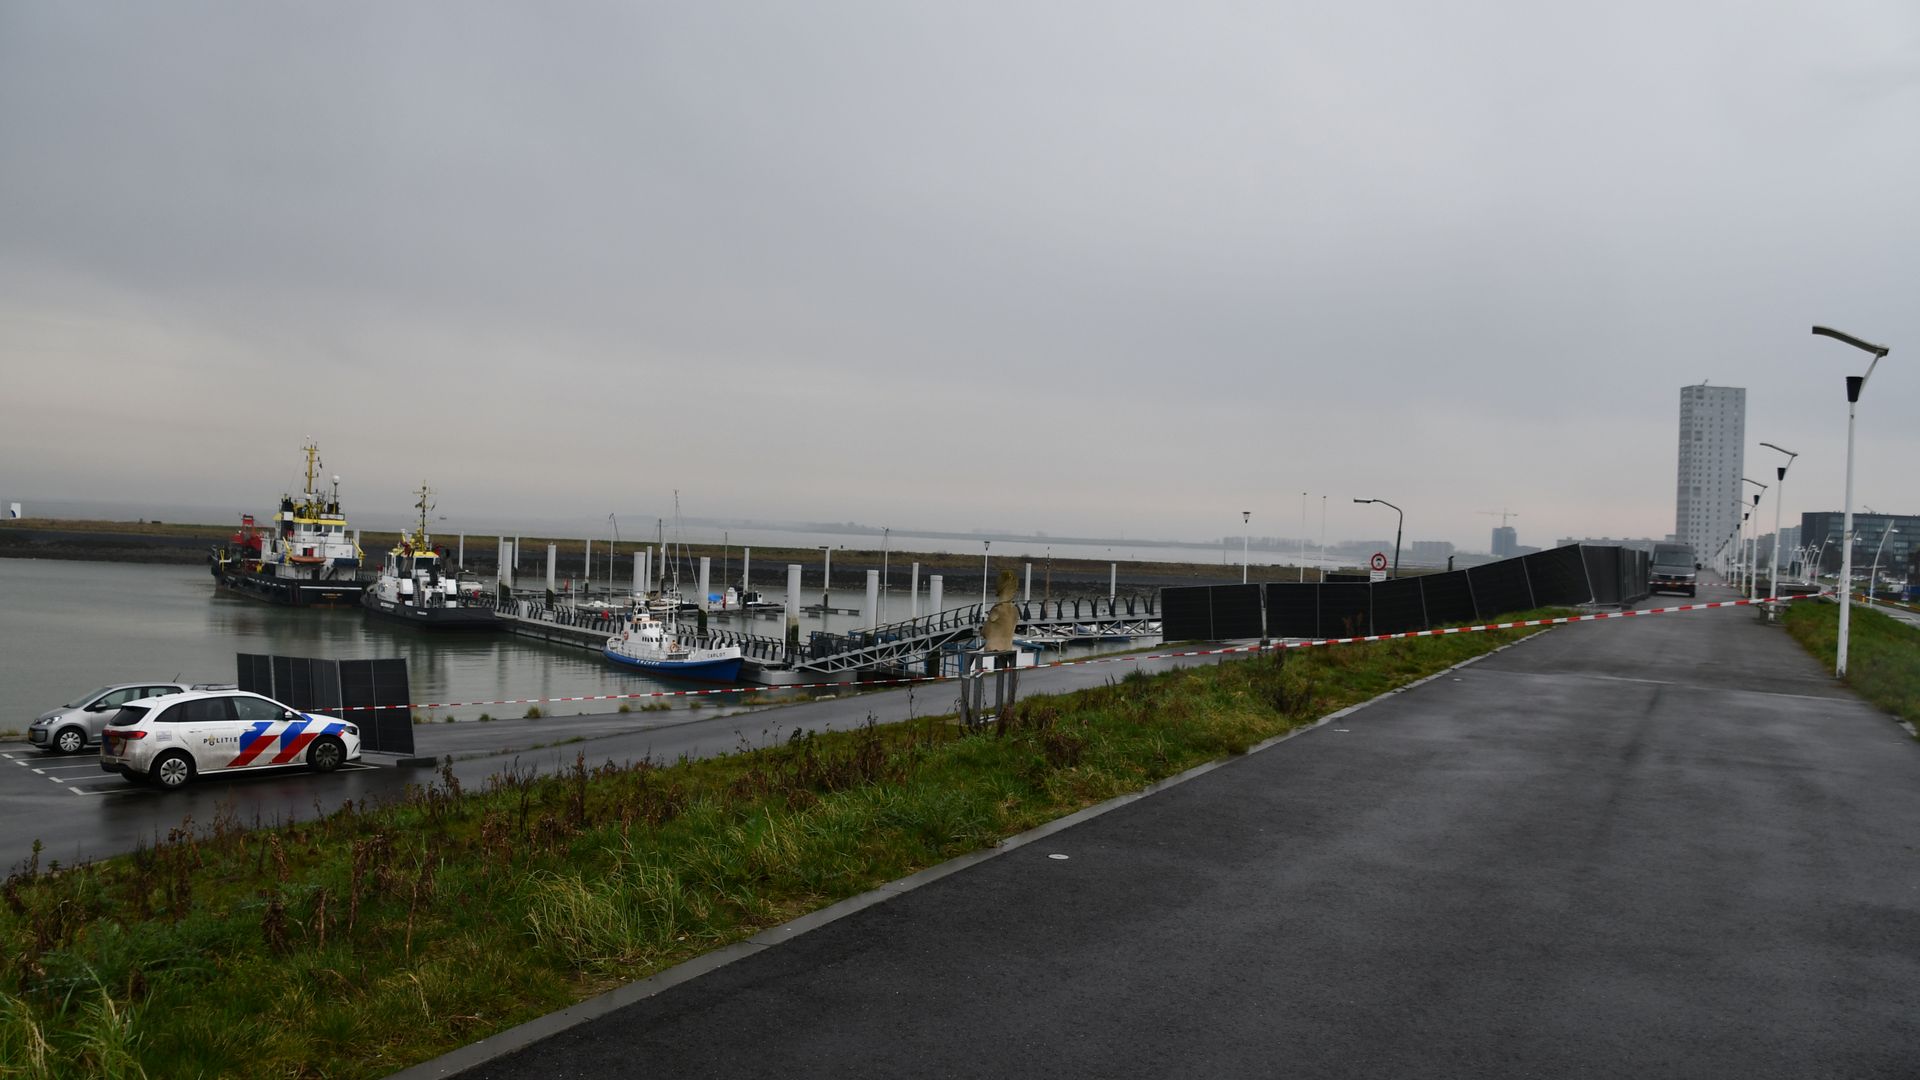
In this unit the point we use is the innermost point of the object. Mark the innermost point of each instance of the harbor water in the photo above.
(72, 626)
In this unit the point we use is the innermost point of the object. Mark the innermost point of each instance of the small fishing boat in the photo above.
(658, 648)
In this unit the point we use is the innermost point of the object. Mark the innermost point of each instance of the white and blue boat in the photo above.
(656, 648)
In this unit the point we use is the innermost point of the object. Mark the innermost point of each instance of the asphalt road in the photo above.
(77, 812)
(1647, 847)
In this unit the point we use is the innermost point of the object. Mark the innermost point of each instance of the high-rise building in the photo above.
(1713, 439)
(1506, 541)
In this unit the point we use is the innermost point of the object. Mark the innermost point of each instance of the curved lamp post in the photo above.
(1855, 384)
(1873, 575)
(1398, 529)
(1773, 578)
(1752, 554)
(1246, 526)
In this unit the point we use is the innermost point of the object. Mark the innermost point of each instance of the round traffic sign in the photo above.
(1379, 561)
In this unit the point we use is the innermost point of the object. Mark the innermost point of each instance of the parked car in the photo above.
(76, 725)
(173, 739)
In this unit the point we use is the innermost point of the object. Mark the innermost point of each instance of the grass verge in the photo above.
(1883, 654)
(377, 937)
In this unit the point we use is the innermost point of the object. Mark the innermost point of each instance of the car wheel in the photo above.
(326, 754)
(69, 740)
(171, 770)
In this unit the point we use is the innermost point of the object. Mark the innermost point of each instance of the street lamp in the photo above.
(1855, 384)
(1246, 530)
(1873, 575)
(986, 552)
(1773, 578)
(1753, 554)
(1398, 529)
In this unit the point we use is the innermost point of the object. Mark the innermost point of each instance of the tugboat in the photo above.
(655, 647)
(308, 559)
(414, 588)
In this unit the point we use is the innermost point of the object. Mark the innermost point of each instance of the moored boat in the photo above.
(307, 559)
(656, 647)
(414, 587)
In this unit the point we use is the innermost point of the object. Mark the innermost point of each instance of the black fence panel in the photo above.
(1186, 613)
(1635, 574)
(254, 673)
(1345, 610)
(1499, 588)
(388, 729)
(371, 694)
(1449, 598)
(1398, 606)
(1236, 611)
(1559, 577)
(1293, 610)
(1603, 568)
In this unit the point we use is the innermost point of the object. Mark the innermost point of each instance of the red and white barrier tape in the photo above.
(1129, 659)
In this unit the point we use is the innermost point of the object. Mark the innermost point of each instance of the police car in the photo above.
(172, 739)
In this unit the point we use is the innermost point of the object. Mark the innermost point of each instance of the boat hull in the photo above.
(723, 670)
(463, 619)
(290, 592)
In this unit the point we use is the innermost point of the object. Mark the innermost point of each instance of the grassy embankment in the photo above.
(378, 937)
(1883, 654)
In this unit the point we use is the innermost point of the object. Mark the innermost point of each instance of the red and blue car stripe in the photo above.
(293, 741)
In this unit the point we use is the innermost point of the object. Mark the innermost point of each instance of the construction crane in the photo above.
(1503, 515)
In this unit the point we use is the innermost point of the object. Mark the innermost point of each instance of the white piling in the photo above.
(935, 584)
(639, 571)
(872, 610)
(553, 564)
(516, 556)
(506, 563)
(793, 598)
(706, 571)
(461, 562)
(1026, 587)
(746, 572)
(586, 573)
(1113, 580)
(500, 558)
(913, 586)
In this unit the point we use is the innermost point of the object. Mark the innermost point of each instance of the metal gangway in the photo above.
(894, 646)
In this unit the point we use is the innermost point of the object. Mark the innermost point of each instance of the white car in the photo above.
(172, 739)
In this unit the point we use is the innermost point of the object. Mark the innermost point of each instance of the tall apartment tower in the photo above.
(1713, 439)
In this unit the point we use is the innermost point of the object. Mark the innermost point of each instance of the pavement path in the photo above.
(1649, 847)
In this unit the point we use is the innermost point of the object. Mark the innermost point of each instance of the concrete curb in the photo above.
(523, 1035)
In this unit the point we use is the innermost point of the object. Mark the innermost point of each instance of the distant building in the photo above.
(1823, 530)
(1713, 439)
(1505, 541)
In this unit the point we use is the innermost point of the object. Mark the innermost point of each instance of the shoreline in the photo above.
(188, 545)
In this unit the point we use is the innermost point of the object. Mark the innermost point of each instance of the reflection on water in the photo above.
(70, 626)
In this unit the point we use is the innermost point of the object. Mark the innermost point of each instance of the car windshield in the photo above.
(1669, 556)
(86, 697)
(128, 716)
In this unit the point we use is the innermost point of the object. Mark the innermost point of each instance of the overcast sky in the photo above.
(1086, 268)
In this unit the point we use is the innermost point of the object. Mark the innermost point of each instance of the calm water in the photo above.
(67, 627)
(70, 626)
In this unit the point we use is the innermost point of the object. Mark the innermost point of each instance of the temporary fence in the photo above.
(1565, 576)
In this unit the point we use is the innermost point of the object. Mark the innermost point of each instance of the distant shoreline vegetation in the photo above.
(188, 543)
